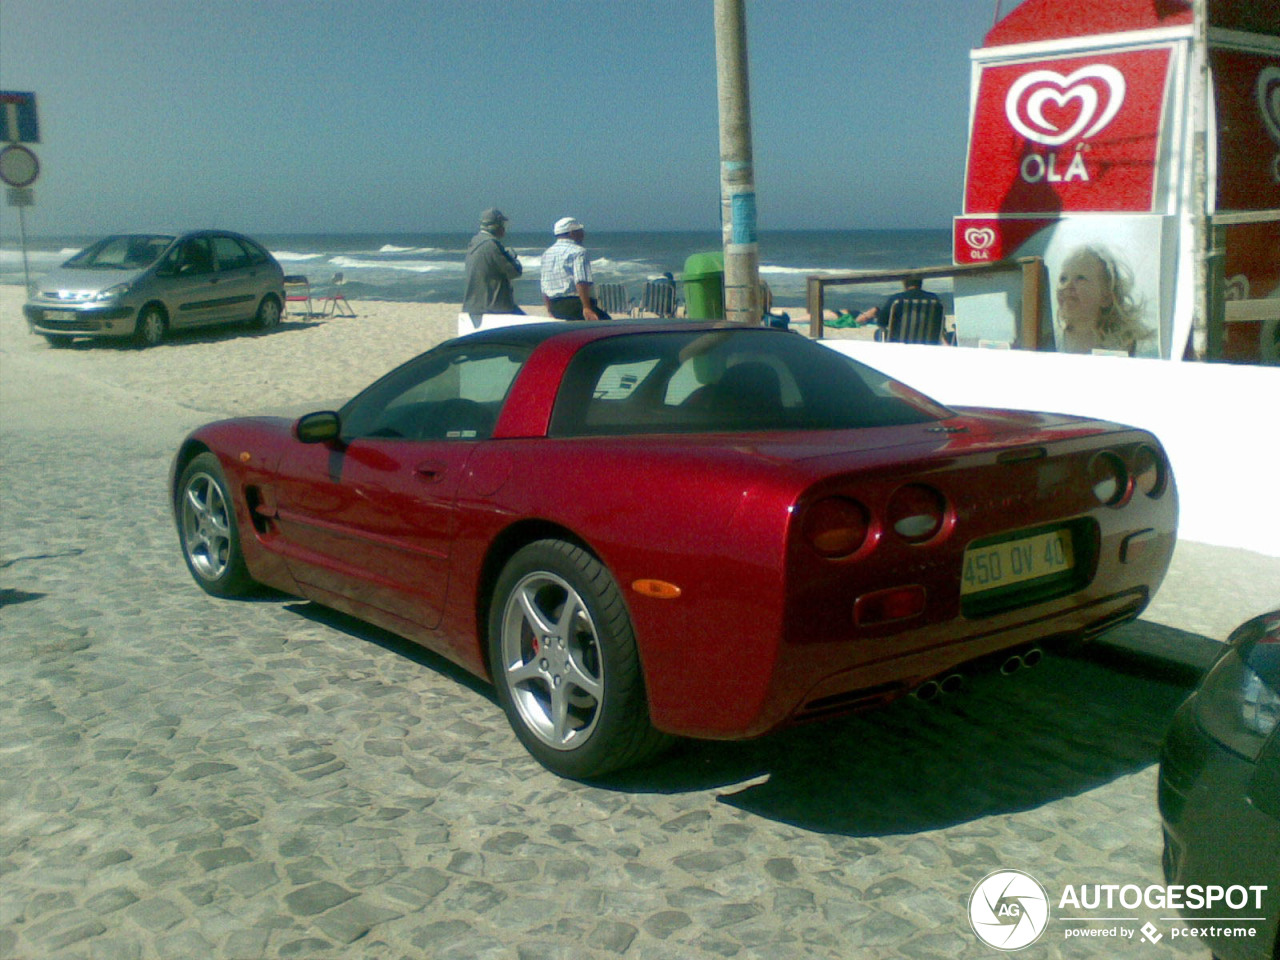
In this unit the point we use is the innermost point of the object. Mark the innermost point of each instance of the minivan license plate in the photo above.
(1004, 564)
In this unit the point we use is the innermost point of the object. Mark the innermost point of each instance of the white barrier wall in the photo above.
(1219, 423)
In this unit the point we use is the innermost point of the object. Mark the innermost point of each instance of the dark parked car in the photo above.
(1220, 795)
(141, 286)
(639, 530)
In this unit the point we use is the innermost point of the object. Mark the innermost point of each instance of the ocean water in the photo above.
(428, 267)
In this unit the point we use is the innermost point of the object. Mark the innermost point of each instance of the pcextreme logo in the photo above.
(1010, 910)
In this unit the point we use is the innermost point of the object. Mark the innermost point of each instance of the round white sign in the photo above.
(18, 166)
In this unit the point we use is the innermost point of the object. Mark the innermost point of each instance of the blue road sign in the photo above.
(18, 121)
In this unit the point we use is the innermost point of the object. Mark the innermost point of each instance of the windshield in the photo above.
(125, 252)
(726, 380)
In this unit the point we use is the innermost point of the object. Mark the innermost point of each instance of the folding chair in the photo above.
(659, 298)
(915, 321)
(297, 289)
(613, 298)
(335, 303)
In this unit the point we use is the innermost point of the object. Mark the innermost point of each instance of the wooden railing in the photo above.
(1033, 277)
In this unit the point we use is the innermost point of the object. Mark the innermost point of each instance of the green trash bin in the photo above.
(703, 280)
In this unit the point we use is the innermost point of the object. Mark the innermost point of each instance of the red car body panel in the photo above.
(405, 534)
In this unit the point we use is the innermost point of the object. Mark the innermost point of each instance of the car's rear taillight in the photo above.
(1150, 472)
(1108, 478)
(836, 527)
(916, 513)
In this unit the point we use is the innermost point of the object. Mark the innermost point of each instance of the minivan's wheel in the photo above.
(268, 317)
(565, 664)
(150, 327)
(207, 528)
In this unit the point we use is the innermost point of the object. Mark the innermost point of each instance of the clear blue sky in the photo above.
(277, 116)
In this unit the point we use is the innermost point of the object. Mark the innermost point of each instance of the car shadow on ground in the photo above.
(1002, 744)
(178, 338)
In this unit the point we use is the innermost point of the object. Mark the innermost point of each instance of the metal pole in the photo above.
(22, 227)
(742, 301)
(1202, 321)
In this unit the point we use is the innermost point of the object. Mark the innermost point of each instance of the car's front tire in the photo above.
(150, 328)
(565, 665)
(268, 316)
(208, 532)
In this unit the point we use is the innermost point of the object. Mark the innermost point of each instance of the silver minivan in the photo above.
(141, 286)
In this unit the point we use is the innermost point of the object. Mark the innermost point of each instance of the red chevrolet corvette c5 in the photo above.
(645, 530)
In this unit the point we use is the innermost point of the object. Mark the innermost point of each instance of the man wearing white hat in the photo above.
(566, 275)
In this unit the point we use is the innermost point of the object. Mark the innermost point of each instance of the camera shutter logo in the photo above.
(1098, 90)
(1008, 910)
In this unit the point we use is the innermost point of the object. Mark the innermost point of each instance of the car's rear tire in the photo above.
(57, 341)
(207, 530)
(268, 316)
(150, 328)
(565, 665)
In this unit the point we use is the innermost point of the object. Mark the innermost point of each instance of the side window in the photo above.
(452, 396)
(231, 256)
(255, 253)
(196, 258)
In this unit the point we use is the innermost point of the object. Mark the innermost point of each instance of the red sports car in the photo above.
(645, 530)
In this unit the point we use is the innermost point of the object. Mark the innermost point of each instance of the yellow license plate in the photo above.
(1016, 561)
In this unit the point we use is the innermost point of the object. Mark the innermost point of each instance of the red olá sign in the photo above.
(1069, 134)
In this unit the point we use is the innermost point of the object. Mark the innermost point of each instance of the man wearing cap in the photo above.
(490, 269)
(566, 275)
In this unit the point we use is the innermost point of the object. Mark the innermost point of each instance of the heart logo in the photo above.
(1237, 288)
(1096, 92)
(979, 238)
(1268, 91)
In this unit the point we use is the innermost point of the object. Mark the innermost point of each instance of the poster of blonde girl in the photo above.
(1097, 309)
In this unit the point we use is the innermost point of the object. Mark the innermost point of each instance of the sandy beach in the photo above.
(232, 370)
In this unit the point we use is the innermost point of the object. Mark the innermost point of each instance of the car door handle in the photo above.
(431, 471)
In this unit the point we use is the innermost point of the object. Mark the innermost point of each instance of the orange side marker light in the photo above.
(657, 589)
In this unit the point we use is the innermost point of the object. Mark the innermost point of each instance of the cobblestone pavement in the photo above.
(182, 777)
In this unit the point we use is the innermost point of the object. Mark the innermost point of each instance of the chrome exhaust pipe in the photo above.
(952, 683)
(1032, 657)
(927, 691)
(1011, 666)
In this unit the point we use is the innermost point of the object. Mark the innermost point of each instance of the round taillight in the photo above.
(1148, 471)
(836, 527)
(916, 512)
(1108, 479)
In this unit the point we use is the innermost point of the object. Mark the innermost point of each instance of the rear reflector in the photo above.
(886, 606)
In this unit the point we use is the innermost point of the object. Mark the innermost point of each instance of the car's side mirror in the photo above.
(318, 427)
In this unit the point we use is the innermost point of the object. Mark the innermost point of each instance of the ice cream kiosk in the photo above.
(1133, 148)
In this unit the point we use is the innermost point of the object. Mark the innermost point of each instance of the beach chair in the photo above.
(335, 302)
(659, 299)
(297, 289)
(613, 298)
(915, 321)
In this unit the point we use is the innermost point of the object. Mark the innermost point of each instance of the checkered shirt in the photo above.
(564, 266)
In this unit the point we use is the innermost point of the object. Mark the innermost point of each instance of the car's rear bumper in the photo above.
(117, 321)
(1214, 835)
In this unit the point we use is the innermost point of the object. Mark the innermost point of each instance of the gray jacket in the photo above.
(490, 269)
